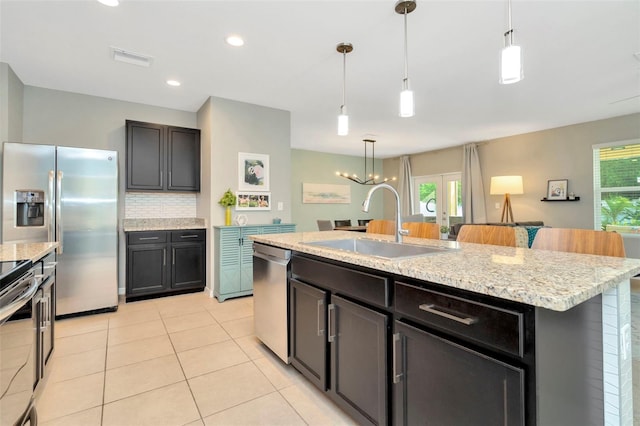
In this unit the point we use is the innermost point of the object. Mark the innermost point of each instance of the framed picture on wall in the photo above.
(557, 189)
(253, 172)
(249, 200)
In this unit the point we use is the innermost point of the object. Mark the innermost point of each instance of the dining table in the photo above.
(354, 228)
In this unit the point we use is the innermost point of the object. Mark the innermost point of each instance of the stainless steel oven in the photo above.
(18, 324)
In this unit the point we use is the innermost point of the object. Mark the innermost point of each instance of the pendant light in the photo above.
(404, 7)
(343, 118)
(511, 57)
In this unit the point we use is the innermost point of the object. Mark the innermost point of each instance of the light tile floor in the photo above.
(182, 360)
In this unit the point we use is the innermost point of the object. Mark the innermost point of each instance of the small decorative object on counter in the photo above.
(241, 220)
(277, 220)
(572, 196)
(228, 200)
(444, 232)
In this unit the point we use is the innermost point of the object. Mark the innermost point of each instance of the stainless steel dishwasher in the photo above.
(270, 297)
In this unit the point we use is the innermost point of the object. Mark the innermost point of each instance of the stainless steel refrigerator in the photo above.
(69, 195)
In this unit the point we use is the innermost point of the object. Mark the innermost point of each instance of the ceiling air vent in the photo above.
(131, 57)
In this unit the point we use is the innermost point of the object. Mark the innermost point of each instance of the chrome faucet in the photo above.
(365, 208)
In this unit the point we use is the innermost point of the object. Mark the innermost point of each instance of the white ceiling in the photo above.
(579, 62)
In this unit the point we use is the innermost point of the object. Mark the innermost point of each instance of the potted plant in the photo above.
(228, 200)
(444, 232)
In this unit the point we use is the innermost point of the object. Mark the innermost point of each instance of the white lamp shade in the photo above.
(506, 185)
(343, 125)
(406, 103)
(511, 65)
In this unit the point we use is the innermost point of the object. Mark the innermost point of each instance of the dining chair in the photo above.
(585, 241)
(378, 226)
(363, 222)
(423, 230)
(325, 225)
(488, 234)
(346, 222)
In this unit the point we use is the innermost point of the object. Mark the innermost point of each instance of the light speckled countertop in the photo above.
(162, 224)
(542, 278)
(32, 251)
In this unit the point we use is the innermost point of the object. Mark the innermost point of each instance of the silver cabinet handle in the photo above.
(164, 257)
(189, 236)
(433, 309)
(173, 256)
(59, 234)
(397, 351)
(320, 310)
(148, 238)
(170, 182)
(332, 334)
(161, 178)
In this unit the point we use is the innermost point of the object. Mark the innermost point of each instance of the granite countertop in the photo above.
(31, 251)
(163, 224)
(542, 278)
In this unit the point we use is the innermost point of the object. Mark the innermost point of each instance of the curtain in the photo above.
(405, 186)
(472, 187)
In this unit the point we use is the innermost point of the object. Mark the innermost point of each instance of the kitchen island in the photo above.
(568, 349)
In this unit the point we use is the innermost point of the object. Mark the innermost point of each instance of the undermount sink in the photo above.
(386, 249)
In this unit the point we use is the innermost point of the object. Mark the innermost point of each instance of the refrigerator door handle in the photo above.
(59, 236)
(49, 218)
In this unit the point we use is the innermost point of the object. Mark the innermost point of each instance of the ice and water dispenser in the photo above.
(29, 208)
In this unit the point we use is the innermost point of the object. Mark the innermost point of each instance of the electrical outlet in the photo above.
(497, 206)
(280, 206)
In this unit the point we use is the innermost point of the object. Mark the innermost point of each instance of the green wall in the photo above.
(320, 167)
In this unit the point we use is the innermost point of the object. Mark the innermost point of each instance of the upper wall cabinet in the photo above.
(162, 158)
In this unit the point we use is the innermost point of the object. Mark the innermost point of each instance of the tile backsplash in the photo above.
(149, 205)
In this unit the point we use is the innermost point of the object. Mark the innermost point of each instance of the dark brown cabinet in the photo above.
(450, 384)
(165, 262)
(338, 344)
(162, 158)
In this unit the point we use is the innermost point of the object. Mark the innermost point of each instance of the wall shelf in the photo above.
(566, 199)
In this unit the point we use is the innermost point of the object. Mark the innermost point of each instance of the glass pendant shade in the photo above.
(343, 124)
(406, 103)
(511, 64)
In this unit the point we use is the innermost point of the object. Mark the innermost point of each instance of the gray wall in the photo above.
(560, 153)
(229, 127)
(55, 117)
(319, 167)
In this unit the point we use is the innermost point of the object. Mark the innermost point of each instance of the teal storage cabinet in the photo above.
(234, 257)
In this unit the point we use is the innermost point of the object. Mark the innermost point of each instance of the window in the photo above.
(616, 174)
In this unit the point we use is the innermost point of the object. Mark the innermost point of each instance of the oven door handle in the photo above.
(11, 308)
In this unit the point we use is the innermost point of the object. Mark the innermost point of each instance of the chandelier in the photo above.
(369, 163)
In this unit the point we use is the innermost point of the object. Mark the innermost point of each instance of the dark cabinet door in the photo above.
(146, 269)
(187, 268)
(183, 160)
(145, 156)
(358, 340)
(441, 383)
(308, 332)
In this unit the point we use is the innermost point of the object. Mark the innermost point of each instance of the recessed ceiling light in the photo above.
(235, 40)
(174, 83)
(112, 3)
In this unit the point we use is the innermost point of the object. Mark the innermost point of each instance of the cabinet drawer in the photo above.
(347, 282)
(146, 237)
(488, 325)
(188, 235)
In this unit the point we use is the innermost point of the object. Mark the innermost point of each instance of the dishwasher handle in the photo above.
(271, 259)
